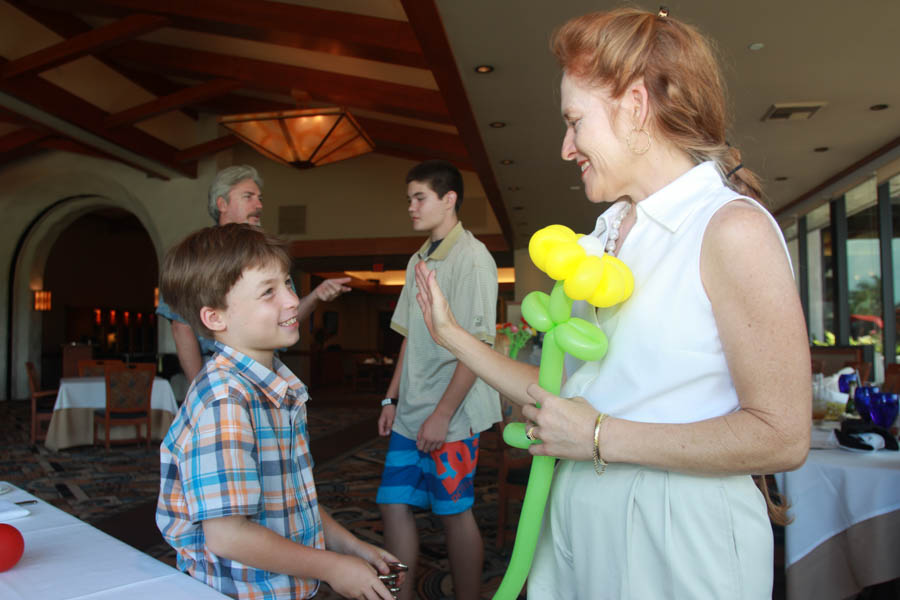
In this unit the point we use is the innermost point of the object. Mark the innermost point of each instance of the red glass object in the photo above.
(12, 546)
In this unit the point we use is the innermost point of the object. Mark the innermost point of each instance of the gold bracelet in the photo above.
(599, 463)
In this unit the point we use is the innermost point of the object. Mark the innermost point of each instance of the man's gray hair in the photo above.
(226, 179)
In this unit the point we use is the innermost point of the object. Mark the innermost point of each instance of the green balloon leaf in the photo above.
(536, 310)
(582, 339)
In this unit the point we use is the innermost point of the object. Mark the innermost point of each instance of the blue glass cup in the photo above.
(844, 381)
(863, 401)
(883, 409)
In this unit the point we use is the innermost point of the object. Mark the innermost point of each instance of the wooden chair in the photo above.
(96, 368)
(862, 369)
(891, 379)
(41, 404)
(128, 393)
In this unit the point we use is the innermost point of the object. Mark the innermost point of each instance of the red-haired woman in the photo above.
(706, 381)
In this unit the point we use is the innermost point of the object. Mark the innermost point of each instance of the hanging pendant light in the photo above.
(302, 138)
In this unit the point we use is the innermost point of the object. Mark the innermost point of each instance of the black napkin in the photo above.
(848, 435)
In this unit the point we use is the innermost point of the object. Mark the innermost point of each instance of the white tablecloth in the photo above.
(90, 392)
(66, 558)
(73, 414)
(838, 497)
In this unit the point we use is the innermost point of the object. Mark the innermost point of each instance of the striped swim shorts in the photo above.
(441, 480)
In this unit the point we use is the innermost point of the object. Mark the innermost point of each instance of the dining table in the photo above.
(66, 558)
(845, 533)
(72, 422)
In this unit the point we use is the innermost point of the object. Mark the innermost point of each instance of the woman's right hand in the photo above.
(435, 308)
(353, 577)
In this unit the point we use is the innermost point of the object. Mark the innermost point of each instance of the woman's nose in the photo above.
(568, 145)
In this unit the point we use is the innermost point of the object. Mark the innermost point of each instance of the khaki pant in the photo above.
(642, 534)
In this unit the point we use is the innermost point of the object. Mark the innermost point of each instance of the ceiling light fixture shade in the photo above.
(302, 138)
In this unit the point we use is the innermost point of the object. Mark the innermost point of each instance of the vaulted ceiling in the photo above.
(127, 80)
(124, 78)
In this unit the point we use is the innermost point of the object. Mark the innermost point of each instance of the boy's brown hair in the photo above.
(202, 269)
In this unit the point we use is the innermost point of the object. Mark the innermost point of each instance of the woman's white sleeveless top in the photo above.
(665, 362)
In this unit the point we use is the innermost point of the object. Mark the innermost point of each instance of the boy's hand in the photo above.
(433, 433)
(386, 420)
(353, 577)
(378, 558)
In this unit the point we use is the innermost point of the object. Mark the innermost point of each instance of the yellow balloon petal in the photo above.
(544, 239)
(584, 281)
(627, 276)
(616, 284)
(563, 259)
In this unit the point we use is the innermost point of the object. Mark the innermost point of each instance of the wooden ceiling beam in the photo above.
(67, 25)
(397, 135)
(20, 153)
(323, 86)
(82, 44)
(206, 148)
(308, 28)
(19, 139)
(426, 22)
(75, 147)
(58, 102)
(183, 97)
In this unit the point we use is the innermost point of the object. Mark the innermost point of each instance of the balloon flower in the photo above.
(582, 272)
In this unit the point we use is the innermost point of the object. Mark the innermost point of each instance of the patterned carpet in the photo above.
(116, 491)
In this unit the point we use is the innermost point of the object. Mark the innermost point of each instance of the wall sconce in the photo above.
(41, 300)
(97, 316)
(112, 317)
(156, 297)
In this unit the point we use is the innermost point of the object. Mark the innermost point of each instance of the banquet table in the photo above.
(72, 423)
(66, 558)
(846, 530)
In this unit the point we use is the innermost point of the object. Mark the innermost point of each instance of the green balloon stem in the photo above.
(529, 527)
(560, 304)
(586, 342)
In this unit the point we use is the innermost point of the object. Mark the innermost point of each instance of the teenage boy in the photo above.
(237, 498)
(441, 407)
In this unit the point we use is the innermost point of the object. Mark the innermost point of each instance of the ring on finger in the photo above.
(530, 433)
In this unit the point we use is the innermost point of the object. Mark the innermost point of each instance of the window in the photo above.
(820, 266)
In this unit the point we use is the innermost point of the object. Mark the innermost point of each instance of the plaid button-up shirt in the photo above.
(239, 446)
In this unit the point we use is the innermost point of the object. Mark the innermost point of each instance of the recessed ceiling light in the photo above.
(484, 69)
(878, 107)
(498, 124)
(781, 178)
(507, 161)
(821, 149)
(756, 46)
(574, 188)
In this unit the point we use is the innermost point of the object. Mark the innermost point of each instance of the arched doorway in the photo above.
(30, 259)
(101, 271)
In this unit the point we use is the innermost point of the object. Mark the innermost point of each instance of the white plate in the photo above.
(5, 487)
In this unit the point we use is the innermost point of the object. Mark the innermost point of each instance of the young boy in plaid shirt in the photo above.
(237, 498)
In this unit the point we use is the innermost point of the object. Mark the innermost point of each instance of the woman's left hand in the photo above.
(565, 426)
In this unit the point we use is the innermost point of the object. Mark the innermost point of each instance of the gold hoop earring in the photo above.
(631, 142)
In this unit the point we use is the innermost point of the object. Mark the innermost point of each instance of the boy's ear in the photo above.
(212, 319)
(450, 197)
